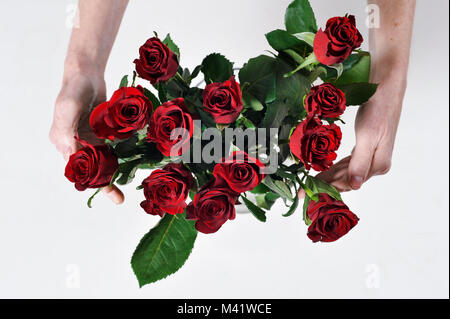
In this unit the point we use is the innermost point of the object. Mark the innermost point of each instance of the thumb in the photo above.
(360, 163)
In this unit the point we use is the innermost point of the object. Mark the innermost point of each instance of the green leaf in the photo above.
(255, 210)
(124, 81)
(89, 202)
(323, 187)
(171, 45)
(289, 94)
(163, 250)
(310, 59)
(282, 40)
(260, 189)
(357, 73)
(300, 17)
(293, 207)
(267, 200)
(152, 97)
(358, 93)
(126, 148)
(278, 187)
(252, 102)
(259, 73)
(331, 74)
(305, 211)
(307, 37)
(216, 68)
(127, 171)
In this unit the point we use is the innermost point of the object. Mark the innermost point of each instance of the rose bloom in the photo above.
(223, 101)
(330, 219)
(325, 100)
(212, 206)
(315, 144)
(167, 189)
(338, 40)
(241, 172)
(156, 63)
(165, 120)
(126, 112)
(91, 166)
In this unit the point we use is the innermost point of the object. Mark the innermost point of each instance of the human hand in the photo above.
(375, 128)
(79, 93)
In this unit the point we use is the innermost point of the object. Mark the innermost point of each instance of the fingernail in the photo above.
(116, 198)
(356, 182)
(301, 194)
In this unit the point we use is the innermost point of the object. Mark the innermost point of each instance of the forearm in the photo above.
(390, 44)
(91, 42)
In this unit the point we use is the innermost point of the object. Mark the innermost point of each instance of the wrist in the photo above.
(80, 64)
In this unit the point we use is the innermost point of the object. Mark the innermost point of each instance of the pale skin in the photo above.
(376, 123)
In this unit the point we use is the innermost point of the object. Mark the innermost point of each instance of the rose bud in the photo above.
(338, 40)
(315, 144)
(223, 101)
(91, 166)
(126, 112)
(171, 128)
(211, 208)
(330, 219)
(240, 172)
(325, 100)
(156, 63)
(167, 189)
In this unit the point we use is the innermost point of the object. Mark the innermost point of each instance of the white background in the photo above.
(52, 245)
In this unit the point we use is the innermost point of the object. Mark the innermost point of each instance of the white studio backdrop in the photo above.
(52, 245)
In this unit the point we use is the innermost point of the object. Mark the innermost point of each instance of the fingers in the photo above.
(114, 194)
(64, 141)
(381, 163)
(360, 163)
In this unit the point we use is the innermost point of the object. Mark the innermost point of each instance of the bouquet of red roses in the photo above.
(246, 139)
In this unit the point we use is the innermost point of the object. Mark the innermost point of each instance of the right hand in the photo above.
(79, 93)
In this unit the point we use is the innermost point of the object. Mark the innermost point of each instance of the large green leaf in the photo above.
(356, 73)
(171, 45)
(289, 95)
(163, 250)
(257, 77)
(255, 210)
(300, 17)
(216, 68)
(358, 93)
(282, 40)
(278, 187)
(319, 186)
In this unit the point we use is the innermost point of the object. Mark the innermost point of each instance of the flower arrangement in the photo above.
(267, 126)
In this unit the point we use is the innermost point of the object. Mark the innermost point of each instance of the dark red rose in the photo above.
(337, 42)
(330, 219)
(126, 112)
(325, 100)
(161, 130)
(91, 166)
(212, 207)
(241, 172)
(167, 189)
(315, 144)
(156, 63)
(223, 101)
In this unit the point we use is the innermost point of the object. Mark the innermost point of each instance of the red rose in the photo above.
(128, 111)
(166, 190)
(156, 63)
(240, 171)
(338, 40)
(212, 207)
(223, 101)
(91, 166)
(325, 100)
(315, 144)
(330, 219)
(166, 118)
